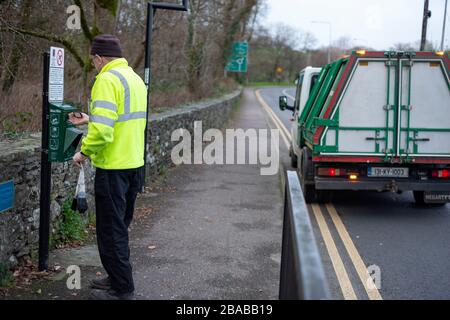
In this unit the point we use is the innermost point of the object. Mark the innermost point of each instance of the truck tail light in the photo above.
(442, 174)
(331, 172)
(361, 52)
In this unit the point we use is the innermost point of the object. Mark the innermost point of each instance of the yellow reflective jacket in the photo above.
(116, 130)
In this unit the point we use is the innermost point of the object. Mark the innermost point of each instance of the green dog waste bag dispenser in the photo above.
(64, 137)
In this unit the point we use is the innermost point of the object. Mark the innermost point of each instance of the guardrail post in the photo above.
(302, 276)
(287, 287)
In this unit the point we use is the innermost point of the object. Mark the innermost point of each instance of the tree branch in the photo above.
(84, 25)
(50, 37)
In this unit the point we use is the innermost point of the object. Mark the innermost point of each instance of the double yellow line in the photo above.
(339, 268)
(285, 135)
(336, 260)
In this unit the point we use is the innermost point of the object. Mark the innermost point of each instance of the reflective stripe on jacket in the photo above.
(115, 138)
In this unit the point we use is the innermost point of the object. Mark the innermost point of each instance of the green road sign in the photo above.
(238, 61)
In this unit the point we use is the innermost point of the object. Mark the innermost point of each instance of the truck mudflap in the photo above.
(435, 189)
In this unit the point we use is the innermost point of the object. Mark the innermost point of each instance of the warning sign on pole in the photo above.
(56, 75)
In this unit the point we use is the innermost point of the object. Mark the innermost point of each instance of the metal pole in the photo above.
(426, 16)
(147, 79)
(46, 168)
(151, 10)
(443, 27)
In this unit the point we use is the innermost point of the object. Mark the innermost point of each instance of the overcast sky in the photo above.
(375, 23)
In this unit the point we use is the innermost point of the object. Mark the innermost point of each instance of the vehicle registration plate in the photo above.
(385, 172)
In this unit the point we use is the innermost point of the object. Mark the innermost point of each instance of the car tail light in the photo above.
(442, 174)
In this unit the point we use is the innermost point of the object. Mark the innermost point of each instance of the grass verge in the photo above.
(6, 277)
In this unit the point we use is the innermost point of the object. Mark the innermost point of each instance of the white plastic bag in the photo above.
(79, 202)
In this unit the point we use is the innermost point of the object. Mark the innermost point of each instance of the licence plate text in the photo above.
(384, 172)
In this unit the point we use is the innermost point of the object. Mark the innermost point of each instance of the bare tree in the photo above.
(189, 50)
(78, 48)
(13, 65)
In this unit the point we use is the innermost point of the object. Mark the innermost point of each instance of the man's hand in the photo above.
(78, 159)
(78, 121)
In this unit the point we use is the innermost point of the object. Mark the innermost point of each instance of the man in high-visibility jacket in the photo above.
(115, 145)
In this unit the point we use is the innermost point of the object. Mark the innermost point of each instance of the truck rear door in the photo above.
(366, 112)
(424, 108)
(395, 105)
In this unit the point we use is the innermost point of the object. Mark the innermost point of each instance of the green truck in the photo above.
(374, 121)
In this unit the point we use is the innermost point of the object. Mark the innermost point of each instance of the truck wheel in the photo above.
(323, 196)
(294, 158)
(309, 190)
(419, 197)
(309, 193)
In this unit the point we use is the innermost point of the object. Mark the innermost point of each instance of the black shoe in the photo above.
(110, 295)
(101, 284)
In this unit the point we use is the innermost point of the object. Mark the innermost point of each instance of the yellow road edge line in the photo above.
(288, 95)
(336, 260)
(273, 115)
(280, 128)
(286, 131)
(274, 119)
(268, 109)
(357, 261)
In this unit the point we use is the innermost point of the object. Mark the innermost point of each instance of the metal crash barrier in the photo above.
(302, 274)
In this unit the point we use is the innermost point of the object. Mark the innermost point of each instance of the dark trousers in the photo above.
(115, 195)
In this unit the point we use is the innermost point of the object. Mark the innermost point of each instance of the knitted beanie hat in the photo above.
(106, 45)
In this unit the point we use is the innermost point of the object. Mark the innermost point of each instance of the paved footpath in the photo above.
(214, 232)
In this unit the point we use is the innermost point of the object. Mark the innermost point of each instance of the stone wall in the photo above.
(20, 161)
(213, 114)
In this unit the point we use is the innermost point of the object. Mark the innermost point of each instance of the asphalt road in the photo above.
(407, 247)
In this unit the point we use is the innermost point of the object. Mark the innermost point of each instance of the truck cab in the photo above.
(305, 82)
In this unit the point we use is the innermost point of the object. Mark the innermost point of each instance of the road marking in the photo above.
(336, 260)
(274, 118)
(272, 114)
(357, 261)
(287, 94)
